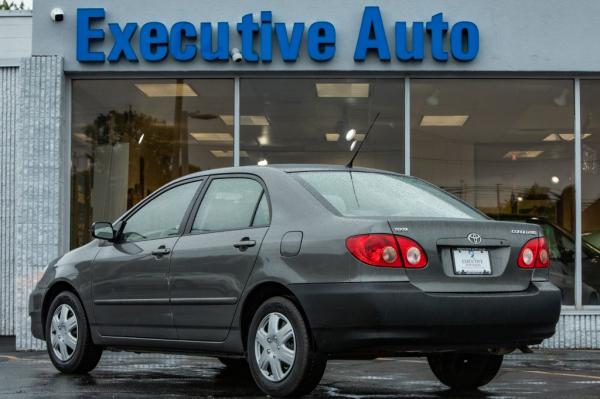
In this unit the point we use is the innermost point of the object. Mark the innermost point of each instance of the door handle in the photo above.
(161, 251)
(244, 244)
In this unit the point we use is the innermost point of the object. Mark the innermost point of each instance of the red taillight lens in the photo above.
(534, 254)
(375, 249)
(387, 250)
(413, 255)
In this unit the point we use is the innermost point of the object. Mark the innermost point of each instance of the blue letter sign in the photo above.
(185, 41)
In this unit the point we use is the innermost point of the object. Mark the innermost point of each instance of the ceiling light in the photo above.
(565, 136)
(263, 140)
(520, 199)
(262, 162)
(514, 155)
(212, 136)
(227, 154)
(434, 98)
(246, 120)
(332, 136)
(350, 134)
(353, 145)
(332, 90)
(444, 120)
(166, 89)
(561, 100)
(141, 139)
(555, 179)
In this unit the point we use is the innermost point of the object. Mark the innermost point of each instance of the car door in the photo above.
(213, 260)
(130, 283)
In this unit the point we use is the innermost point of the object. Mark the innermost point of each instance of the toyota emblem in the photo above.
(474, 238)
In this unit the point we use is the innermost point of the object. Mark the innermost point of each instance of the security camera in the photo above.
(57, 14)
(236, 56)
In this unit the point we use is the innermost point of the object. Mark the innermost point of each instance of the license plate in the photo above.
(469, 261)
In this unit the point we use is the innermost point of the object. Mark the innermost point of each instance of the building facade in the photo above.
(497, 102)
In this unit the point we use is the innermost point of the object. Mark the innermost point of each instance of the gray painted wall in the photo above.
(516, 35)
(9, 78)
(40, 181)
(15, 35)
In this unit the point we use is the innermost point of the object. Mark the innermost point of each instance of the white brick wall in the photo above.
(8, 118)
(40, 181)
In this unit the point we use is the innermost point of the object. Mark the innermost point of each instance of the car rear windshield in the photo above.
(379, 194)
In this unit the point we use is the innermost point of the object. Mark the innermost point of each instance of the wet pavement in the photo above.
(548, 374)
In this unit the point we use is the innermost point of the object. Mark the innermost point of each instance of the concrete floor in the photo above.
(558, 374)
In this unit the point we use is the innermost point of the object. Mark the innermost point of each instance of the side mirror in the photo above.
(103, 231)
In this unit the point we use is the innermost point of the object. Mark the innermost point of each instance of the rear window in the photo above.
(378, 194)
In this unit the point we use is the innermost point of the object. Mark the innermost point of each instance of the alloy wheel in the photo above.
(275, 346)
(64, 332)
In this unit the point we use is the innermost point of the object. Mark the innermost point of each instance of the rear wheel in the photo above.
(68, 336)
(282, 358)
(464, 371)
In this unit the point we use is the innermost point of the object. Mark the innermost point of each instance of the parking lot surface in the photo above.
(548, 374)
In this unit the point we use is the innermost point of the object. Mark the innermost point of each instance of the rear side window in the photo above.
(378, 194)
(229, 204)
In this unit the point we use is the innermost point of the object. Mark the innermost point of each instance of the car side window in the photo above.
(262, 217)
(161, 217)
(229, 204)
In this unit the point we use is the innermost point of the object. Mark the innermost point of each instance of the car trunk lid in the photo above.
(451, 244)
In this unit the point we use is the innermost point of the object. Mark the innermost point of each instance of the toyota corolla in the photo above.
(281, 268)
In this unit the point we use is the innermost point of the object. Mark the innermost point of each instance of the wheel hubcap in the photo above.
(275, 346)
(64, 332)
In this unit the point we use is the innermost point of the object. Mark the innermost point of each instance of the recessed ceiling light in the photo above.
(444, 120)
(565, 136)
(166, 89)
(212, 136)
(333, 90)
(332, 136)
(227, 154)
(514, 155)
(246, 120)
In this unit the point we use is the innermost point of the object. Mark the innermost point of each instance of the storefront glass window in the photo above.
(590, 190)
(506, 147)
(129, 137)
(306, 121)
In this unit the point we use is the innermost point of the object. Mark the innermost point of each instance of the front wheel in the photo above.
(282, 358)
(464, 371)
(68, 337)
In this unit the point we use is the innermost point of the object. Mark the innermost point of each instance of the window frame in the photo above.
(122, 221)
(191, 217)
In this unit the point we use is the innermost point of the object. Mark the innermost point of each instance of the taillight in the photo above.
(375, 249)
(412, 253)
(534, 254)
(387, 250)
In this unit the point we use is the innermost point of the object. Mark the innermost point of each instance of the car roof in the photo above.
(287, 168)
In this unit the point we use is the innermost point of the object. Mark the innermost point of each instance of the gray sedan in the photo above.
(278, 269)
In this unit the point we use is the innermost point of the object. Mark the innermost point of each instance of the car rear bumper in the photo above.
(398, 317)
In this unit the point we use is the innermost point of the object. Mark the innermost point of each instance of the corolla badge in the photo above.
(474, 238)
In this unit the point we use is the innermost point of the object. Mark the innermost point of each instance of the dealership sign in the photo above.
(184, 42)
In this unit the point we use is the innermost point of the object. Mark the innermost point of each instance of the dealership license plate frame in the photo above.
(462, 269)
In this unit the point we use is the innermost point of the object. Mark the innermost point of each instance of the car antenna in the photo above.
(349, 164)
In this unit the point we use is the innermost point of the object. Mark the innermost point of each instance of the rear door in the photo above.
(213, 260)
(130, 285)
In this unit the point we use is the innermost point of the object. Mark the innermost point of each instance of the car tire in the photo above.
(68, 337)
(279, 318)
(463, 371)
(234, 363)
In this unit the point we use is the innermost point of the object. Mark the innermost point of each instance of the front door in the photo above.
(130, 285)
(211, 264)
